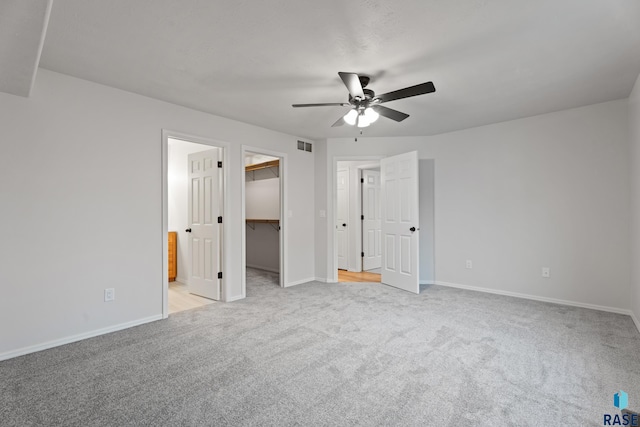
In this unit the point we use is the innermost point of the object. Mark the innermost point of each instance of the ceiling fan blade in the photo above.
(407, 92)
(352, 82)
(390, 113)
(332, 104)
(338, 122)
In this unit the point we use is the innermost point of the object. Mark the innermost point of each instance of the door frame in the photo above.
(332, 213)
(282, 173)
(225, 244)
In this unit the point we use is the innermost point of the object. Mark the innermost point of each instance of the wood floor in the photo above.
(350, 276)
(180, 299)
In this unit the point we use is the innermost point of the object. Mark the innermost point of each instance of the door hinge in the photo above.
(220, 275)
(219, 220)
(362, 254)
(362, 180)
(362, 217)
(219, 164)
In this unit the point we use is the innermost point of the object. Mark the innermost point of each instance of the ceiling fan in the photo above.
(365, 105)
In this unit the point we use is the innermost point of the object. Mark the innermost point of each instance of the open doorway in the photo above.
(358, 221)
(407, 217)
(194, 212)
(263, 214)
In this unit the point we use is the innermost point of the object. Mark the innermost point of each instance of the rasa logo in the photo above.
(621, 401)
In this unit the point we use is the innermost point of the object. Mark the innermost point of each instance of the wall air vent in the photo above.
(304, 146)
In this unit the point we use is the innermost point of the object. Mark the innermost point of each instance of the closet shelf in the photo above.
(274, 223)
(258, 166)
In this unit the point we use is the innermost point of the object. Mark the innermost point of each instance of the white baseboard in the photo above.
(234, 298)
(299, 282)
(635, 320)
(182, 280)
(536, 298)
(262, 267)
(78, 337)
(321, 279)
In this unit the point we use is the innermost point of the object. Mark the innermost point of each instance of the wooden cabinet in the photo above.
(173, 255)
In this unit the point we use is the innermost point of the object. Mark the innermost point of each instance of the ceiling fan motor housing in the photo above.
(368, 97)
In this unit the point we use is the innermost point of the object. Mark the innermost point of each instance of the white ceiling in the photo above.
(249, 60)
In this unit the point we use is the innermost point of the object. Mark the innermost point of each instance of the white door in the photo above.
(371, 224)
(399, 197)
(342, 236)
(204, 229)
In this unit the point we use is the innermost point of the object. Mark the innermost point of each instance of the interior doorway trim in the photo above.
(332, 213)
(225, 242)
(283, 210)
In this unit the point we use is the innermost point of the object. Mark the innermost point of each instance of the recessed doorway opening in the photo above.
(407, 220)
(193, 229)
(358, 232)
(263, 231)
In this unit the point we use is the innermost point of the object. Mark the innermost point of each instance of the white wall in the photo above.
(263, 247)
(634, 138)
(262, 199)
(80, 178)
(322, 226)
(544, 191)
(178, 198)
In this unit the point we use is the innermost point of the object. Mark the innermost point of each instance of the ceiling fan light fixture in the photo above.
(371, 114)
(351, 117)
(363, 121)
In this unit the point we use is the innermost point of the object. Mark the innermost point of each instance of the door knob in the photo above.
(344, 225)
(188, 230)
(412, 229)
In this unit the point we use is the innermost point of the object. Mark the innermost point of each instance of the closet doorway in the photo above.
(263, 216)
(358, 221)
(193, 212)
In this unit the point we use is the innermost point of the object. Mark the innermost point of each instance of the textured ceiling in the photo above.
(490, 61)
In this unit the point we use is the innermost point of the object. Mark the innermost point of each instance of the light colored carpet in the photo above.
(334, 355)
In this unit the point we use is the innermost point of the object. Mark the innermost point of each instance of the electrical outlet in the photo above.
(545, 272)
(109, 294)
(469, 263)
(323, 214)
